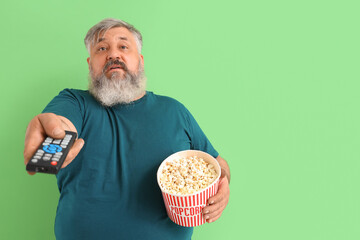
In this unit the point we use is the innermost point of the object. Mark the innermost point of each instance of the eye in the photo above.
(101, 49)
(123, 47)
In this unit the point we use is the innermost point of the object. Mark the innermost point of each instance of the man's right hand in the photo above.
(49, 124)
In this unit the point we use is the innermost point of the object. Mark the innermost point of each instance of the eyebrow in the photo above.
(121, 38)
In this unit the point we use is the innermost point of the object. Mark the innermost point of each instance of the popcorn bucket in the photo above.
(186, 210)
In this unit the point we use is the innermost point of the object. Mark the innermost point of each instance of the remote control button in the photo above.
(34, 160)
(40, 151)
(55, 159)
(53, 163)
(45, 143)
(48, 155)
(57, 141)
(58, 154)
(48, 139)
(52, 148)
(37, 157)
(46, 158)
(63, 146)
(39, 154)
(65, 142)
(68, 136)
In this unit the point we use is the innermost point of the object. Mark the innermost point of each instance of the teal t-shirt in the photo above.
(110, 191)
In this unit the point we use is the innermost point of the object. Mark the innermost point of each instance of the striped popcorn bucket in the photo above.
(186, 210)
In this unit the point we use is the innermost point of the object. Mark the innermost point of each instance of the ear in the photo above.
(88, 61)
(142, 59)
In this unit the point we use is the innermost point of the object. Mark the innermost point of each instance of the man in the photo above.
(108, 187)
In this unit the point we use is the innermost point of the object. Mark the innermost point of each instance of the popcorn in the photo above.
(185, 176)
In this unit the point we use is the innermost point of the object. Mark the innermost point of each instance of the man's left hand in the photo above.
(217, 203)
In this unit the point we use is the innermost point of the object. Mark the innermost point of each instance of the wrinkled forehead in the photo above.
(124, 34)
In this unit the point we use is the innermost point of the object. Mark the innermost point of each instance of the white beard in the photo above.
(117, 89)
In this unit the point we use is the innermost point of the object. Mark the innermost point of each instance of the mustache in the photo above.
(115, 62)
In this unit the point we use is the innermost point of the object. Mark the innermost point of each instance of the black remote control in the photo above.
(51, 154)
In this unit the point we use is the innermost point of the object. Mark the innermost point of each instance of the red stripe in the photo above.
(174, 200)
(201, 198)
(181, 221)
(206, 195)
(166, 203)
(178, 201)
(188, 222)
(166, 200)
(192, 224)
(171, 212)
(197, 198)
(174, 204)
(185, 202)
(194, 204)
(182, 202)
(171, 202)
(177, 220)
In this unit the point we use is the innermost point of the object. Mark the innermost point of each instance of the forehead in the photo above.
(115, 34)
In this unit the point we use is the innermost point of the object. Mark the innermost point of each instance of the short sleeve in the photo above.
(67, 104)
(199, 141)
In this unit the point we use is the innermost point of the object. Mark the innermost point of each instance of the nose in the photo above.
(114, 54)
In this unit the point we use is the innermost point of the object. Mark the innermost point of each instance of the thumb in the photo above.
(74, 151)
(52, 125)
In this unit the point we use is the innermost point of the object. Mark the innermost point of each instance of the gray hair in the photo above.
(107, 24)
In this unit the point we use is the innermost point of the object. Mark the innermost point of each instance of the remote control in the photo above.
(51, 154)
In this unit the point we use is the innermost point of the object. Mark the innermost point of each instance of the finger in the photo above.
(214, 217)
(214, 214)
(74, 151)
(222, 192)
(213, 208)
(52, 125)
(218, 196)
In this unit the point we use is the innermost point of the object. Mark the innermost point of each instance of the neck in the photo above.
(140, 96)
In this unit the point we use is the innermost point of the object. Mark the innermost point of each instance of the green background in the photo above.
(273, 84)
